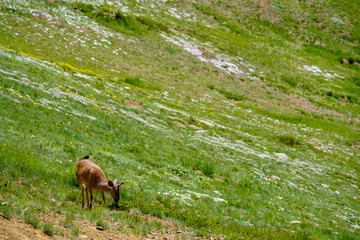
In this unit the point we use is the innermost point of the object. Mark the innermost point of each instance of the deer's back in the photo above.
(89, 172)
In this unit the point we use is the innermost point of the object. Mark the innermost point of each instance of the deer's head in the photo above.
(115, 189)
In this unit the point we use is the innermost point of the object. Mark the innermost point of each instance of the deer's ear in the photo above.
(111, 184)
(115, 181)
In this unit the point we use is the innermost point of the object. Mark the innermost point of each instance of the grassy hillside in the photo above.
(231, 119)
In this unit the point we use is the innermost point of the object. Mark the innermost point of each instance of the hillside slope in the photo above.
(230, 119)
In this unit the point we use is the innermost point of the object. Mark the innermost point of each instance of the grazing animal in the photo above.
(91, 174)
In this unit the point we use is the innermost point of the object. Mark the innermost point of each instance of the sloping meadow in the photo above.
(210, 122)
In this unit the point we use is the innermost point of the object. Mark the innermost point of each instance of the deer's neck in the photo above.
(103, 186)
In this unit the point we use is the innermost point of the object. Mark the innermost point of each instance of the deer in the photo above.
(91, 174)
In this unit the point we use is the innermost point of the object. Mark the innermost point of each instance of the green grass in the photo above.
(269, 153)
(31, 219)
(289, 140)
(48, 229)
(118, 20)
(69, 224)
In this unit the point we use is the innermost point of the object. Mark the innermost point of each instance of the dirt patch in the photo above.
(178, 124)
(134, 103)
(264, 4)
(218, 179)
(17, 229)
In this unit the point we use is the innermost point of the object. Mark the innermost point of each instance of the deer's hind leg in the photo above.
(82, 194)
(91, 198)
(87, 196)
(81, 184)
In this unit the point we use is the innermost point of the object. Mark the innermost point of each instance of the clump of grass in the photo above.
(291, 81)
(205, 184)
(151, 24)
(120, 21)
(228, 95)
(31, 219)
(289, 140)
(180, 171)
(208, 169)
(48, 228)
(73, 196)
(6, 210)
(246, 183)
(132, 148)
(134, 81)
(69, 224)
(85, 8)
(101, 223)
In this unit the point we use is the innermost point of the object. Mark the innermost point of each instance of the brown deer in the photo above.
(91, 174)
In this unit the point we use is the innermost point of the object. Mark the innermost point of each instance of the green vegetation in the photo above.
(31, 219)
(49, 229)
(289, 140)
(118, 20)
(229, 95)
(229, 119)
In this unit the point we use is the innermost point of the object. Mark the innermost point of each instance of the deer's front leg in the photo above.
(103, 196)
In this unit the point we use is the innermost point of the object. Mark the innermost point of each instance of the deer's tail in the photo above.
(86, 157)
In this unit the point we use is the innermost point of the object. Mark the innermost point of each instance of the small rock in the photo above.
(6, 217)
(100, 228)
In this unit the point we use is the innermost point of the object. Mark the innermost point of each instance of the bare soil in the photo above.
(134, 103)
(17, 229)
